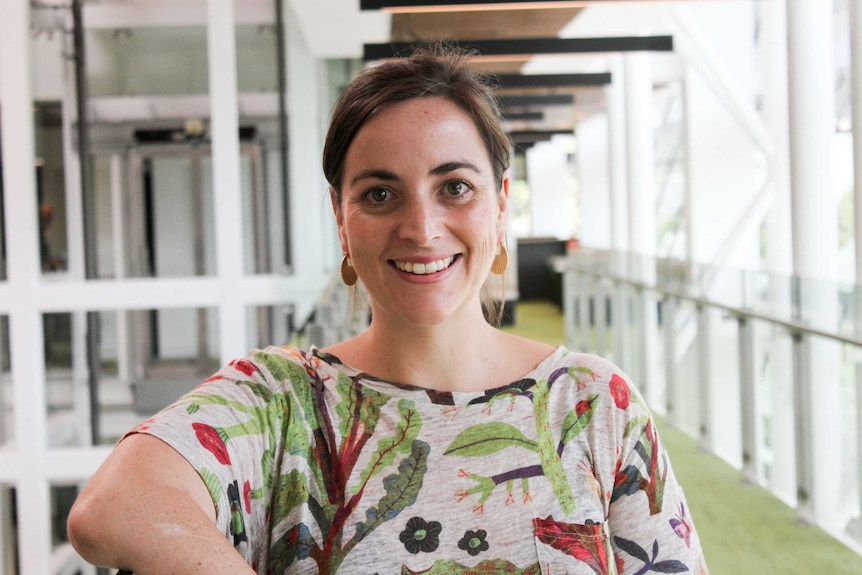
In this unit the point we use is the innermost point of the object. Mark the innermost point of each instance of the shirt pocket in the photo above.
(573, 548)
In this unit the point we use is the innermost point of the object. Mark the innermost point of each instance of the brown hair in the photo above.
(431, 71)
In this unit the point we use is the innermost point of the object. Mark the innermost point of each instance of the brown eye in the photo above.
(378, 195)
(458, 188)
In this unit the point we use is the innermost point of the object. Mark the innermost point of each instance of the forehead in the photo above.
(421, 128)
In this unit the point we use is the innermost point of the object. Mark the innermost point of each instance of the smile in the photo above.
(425, 268)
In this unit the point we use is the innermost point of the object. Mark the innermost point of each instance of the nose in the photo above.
(422, 221)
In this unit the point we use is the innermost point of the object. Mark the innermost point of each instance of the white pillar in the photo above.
(615, 96)
(22, 233)
(815, 246)
(224, 118)
(642, 210)
(856, 76)
(779, 253)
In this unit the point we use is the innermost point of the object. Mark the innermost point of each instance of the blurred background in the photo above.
(683, 203)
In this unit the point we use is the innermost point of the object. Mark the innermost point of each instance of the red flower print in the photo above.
(210, 439)
(620, 391)
(246, 496)
(582, 407)
(245, 367)
(583, 542)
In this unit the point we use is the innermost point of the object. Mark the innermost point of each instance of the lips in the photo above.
(426, 267)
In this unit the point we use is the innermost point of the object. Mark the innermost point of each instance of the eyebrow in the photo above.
(386, 175)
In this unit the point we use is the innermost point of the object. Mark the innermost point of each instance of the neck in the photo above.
(441, 357)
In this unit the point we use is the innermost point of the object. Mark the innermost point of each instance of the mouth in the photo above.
(424, 268)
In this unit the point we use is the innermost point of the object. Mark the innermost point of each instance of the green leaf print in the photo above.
(576, 422)
(635, 422)
(258, 389)
(452, 567)
(213, 484)
(487, 438)
(358, 403)
(551, 463)
(576, 372)
(402, 488)
(388, 447)
(292, 491)
(282, 368)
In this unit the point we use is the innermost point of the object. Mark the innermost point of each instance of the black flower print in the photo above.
(473, 542)
(421, 535)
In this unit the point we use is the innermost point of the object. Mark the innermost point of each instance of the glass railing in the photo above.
(764, 370)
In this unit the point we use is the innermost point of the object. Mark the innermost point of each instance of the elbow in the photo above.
(83, 527)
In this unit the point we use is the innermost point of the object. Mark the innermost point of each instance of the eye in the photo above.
(378, 195)
(457, 188)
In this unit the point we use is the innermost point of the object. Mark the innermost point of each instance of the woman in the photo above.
(430, 443)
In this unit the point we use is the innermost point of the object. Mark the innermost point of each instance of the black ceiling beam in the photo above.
(382, 4)
(524, 136)
(506, 81)
(531, 46)
(536, 100)
(524, 116)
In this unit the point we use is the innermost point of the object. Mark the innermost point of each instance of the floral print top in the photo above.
(315, 467)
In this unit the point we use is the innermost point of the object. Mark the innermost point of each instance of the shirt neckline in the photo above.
(443, 397)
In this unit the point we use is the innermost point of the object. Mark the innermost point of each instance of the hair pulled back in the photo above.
(436, 71)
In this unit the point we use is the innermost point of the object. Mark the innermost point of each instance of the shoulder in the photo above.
(585, 375)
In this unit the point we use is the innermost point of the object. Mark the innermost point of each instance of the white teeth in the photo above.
(423, 269)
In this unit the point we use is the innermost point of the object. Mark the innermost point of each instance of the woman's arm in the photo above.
(147, 510)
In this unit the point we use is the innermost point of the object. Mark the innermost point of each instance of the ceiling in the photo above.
(339, 29)
(498, 23)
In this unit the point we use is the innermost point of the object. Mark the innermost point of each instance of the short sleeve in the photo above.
(229, 429)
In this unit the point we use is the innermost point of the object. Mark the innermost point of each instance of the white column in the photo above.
(815, 246)
(615, 96)
(616, 102)
(779, 253)
(22, 232)
(221, 59)
(856, 76)
(642, 211)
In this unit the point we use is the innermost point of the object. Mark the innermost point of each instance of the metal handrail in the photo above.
(562, 264)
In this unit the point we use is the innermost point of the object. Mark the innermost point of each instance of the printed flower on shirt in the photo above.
(620, 391)
(420, 535)
(245, 367)
(212, 441)
(474, 542)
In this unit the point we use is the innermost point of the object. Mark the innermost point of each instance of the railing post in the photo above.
(601, 317)
(704, 373)
(619, 315)
(569, 306)
(804, 446)
(748, 403)
(584, 311)
(669, 305)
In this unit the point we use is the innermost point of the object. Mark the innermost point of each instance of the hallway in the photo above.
(745, 530)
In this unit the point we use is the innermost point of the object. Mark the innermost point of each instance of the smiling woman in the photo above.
(432, 442)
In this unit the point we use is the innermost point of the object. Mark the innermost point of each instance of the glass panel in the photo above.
(131, 61)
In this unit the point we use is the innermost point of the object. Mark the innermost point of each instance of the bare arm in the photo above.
(147, 510)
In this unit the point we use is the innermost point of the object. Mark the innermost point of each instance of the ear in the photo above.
(503, 204)
(339, 220)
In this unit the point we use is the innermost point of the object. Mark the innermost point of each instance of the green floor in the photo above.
(744, 529)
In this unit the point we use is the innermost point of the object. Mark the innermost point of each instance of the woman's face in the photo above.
(420, 215)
